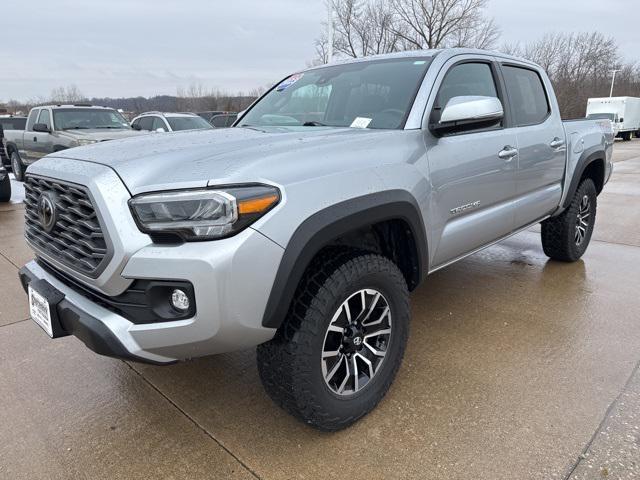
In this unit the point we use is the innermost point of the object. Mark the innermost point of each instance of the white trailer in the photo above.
(624, 113)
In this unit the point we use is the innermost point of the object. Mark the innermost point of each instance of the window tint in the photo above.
(45, 117)
(527, 95)
(467, 79)
(223, 121)
(188, 123)
(32, 118)
(13, 123)
(158, 123)
(146, 123)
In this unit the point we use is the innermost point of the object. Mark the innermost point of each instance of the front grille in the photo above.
(76, 240)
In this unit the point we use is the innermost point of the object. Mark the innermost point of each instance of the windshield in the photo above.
(602, 116)
(370, 94)
(85, 118)
(187, 123)
(15, 123)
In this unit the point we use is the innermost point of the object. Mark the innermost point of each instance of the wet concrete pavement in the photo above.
(517, 367)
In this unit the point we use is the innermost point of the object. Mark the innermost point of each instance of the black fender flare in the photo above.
(590, 155)
(330, 223)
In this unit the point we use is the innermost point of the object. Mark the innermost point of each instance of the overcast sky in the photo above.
(146, 47)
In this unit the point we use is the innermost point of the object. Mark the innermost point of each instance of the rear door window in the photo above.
(527, 95)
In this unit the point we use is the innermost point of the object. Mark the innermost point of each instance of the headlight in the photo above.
(85, 141)
(204, 214)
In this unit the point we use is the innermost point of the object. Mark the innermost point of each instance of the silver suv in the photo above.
(169, 122)
(303, 229)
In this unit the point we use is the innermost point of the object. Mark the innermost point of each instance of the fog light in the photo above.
(180, 300)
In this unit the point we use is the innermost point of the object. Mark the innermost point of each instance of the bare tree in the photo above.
(68, 94)
(578, 65)
(369, 27)
(444, 23)
(362, 28)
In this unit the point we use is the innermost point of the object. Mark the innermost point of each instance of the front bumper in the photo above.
(231, 278)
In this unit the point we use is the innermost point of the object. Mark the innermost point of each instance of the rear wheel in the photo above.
(339, 348)
(5, 189)
(567, 236)
(17, 166)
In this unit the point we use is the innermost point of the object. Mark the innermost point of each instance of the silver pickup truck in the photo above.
(303, 229)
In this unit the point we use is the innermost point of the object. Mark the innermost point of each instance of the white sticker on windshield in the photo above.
(289, 81)
(361, 122)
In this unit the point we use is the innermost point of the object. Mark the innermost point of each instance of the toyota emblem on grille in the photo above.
(47, 213)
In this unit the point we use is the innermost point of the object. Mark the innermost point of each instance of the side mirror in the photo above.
(136, 126)
(468, 113)
(41, 127)
(160, 130)
(621, 120)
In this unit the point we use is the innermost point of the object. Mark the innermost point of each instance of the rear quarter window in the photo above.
(527, 95)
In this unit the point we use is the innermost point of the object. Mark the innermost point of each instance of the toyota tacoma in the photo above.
(302, 229)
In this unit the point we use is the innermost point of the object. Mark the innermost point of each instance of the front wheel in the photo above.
(567, 236)
(339, 349)
(17, 166)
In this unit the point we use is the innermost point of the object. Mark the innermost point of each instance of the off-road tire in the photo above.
(5, 189)
(17, 166)
(290, 364)
(558, 233)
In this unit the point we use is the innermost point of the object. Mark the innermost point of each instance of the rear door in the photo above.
(472, 173)
(541, 143)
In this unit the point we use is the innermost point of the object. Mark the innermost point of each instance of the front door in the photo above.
(42, 141)
(472, 173)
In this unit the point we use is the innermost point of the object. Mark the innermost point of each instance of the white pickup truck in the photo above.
(304, 227)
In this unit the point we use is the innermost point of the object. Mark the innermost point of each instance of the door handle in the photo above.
(556, 143)
(35, 139)
(507, 153)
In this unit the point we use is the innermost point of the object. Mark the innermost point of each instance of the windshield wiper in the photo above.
(313, 123)
(110, 126)
(76, 128)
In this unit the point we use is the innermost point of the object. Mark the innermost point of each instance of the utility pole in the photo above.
(613, 81)
(330, 33)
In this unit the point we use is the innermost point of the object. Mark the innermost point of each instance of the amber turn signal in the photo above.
(256, 205)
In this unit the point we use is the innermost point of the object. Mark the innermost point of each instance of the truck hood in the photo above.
(233, 155)
(101, 134)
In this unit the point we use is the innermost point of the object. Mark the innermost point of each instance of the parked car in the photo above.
(624, 112)
(5, 185)
(303, 228)
(224, 120)
(9, 122)
(169, 122)
(58, 127)
(210, 113)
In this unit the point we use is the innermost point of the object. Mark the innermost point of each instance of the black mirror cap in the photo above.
(136, 126)
(41, 127)
(442, 129)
